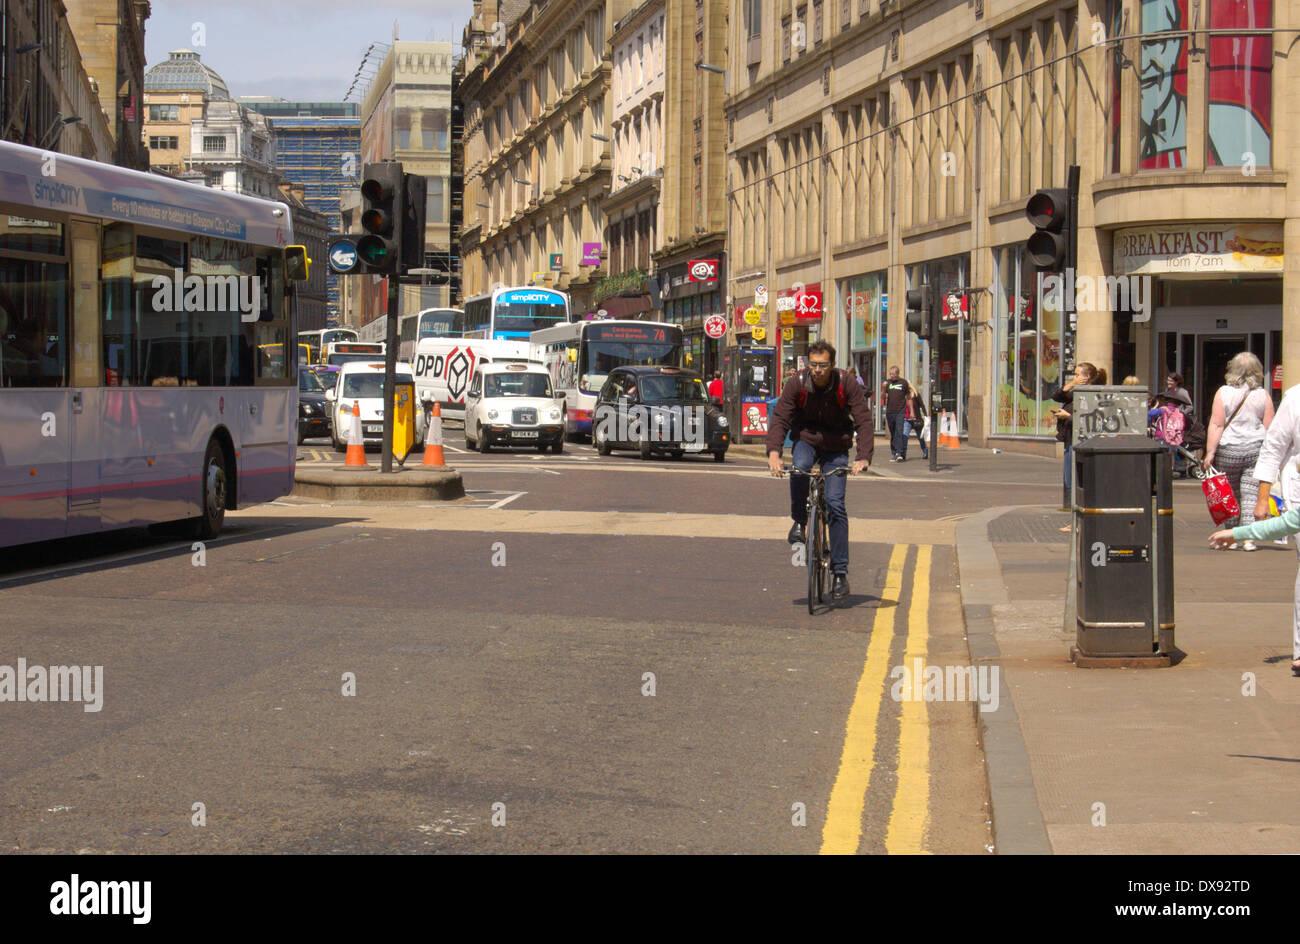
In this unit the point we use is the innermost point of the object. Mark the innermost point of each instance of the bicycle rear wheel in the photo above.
(812, 556)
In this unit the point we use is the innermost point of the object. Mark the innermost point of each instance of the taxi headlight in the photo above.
(491, 414)
(722, 421)
(555, 414)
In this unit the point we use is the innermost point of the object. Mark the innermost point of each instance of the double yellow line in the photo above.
(906, 832)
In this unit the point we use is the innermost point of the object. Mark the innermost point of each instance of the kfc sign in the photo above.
(703, 270)
(805, 301)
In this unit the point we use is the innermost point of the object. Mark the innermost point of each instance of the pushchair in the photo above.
(1187, 458)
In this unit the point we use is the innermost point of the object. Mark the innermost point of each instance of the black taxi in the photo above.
(658, 409)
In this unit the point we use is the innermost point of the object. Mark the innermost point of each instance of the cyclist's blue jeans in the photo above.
(802, 457)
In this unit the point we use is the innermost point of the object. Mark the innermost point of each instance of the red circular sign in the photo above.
(715, 326)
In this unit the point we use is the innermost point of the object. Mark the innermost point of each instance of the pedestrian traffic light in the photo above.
(415, 187)
(921, 313)
(1049, 246)
(382, 192)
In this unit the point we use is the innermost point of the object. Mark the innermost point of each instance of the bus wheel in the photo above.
(213, 483)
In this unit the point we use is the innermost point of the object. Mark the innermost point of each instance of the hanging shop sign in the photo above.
(715, 326)
(759, 333)
(591, 254)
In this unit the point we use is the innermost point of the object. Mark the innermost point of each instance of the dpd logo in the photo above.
(460, 367)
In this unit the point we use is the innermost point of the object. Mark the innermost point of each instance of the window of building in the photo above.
(785, 39)
(846, 13)
(434, 203)
(1239, 90)
(817, 22)
(214, 144)
(1027, 363)
(164, 142)
(164, 113)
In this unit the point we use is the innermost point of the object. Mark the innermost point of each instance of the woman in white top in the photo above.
(1239, 421)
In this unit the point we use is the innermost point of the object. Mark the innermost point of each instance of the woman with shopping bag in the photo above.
(1239, 421)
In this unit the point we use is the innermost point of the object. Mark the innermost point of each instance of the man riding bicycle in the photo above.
(822, 406)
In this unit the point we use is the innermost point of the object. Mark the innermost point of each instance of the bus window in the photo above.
(33, 323)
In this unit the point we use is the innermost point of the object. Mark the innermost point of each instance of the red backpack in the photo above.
(805, 387)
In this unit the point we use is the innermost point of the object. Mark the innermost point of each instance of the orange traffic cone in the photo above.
(356, 445)
(948, 437)
(433, 438)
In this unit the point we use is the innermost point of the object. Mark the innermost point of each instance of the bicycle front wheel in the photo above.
(812, 556)
(823, 555)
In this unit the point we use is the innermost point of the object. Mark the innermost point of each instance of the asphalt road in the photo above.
(587, 654)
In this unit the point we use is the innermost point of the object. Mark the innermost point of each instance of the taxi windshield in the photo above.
(517, 385)
(656, 387)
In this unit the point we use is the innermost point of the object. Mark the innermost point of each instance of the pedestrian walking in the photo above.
(1085, 374)
(1278, 471)
(715, 385)
(894, 392)
(915, 421)
(1239, 422)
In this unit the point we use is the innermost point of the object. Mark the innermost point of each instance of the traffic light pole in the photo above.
(935, 400)
(390, 370)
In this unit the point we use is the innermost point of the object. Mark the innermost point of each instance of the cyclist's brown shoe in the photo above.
(796, 535)
(840, 587)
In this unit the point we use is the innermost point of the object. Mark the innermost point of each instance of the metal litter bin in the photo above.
(1124, 560)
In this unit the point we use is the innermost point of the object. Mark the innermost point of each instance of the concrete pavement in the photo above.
(1200, 757)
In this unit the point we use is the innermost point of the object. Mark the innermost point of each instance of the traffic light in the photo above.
(415, 187)
(921, 313)
(1049, 246)
(380, 248)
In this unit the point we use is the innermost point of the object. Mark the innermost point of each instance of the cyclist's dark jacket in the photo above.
(822, 422)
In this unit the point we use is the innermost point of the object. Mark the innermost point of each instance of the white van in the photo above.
(513, 405)
(362, 382)
(445, 366)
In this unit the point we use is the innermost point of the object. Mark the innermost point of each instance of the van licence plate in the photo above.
(374, 430)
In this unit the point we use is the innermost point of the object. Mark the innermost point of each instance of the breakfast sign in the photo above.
(1199, 248)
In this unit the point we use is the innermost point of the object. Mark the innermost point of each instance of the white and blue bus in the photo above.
(579, 357)
(132, 311)
(515, 313)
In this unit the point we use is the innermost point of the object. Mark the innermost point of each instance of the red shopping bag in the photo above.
(1219, 498)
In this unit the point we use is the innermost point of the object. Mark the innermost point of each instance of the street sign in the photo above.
(715, 326)
(753, 316)
(557, 261)
(342, 255)
(760, 294)
(759, 333)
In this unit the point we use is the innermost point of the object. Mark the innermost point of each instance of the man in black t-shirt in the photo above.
(894, 392)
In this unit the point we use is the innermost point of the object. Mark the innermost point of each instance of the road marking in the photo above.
(505, 501)
(906, 832)
(843, 829)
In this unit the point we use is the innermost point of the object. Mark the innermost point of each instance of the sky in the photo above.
(293, 49)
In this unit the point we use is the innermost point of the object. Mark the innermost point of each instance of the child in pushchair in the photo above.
(1183, 434)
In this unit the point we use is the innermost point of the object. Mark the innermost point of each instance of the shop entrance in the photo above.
(1199, 346)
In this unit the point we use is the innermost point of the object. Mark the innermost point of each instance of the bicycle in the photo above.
(817, 546)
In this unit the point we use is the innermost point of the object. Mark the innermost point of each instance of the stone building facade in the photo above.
(538, 157)
(875, 147)
(406, 116)
(110, 36)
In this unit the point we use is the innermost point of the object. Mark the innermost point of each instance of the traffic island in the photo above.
(419, 484)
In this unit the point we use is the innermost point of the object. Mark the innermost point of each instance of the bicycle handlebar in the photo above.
(842, 470)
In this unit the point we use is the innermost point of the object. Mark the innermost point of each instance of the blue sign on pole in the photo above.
(343, 256)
